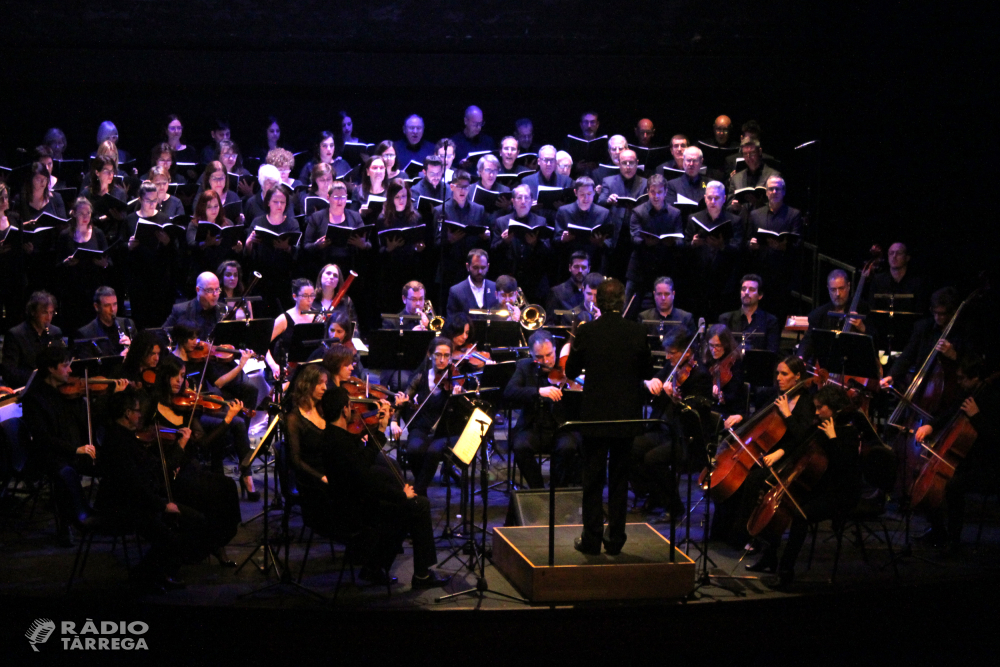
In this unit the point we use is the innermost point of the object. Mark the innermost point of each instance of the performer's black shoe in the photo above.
(765, 564)
(585, 548)
(430, 580)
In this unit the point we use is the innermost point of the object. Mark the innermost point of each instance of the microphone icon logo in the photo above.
(39, 632)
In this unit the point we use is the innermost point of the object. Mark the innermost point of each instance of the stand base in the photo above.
(641, 571)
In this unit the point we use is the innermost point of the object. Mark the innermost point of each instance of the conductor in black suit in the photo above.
(475, 292)
(616, 358)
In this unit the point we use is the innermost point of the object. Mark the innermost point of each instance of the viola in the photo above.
(224, 353)
(77, 387)
(754, 438)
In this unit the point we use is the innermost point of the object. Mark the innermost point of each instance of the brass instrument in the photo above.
(435, 323)
(532, 315)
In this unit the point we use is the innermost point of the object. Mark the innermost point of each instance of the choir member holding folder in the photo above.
(151, 257)
(271, 249)
(82, 252)
(335, 235)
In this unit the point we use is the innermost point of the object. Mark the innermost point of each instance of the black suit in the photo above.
(620, 214)
(615, 355)
(592, 217)
(462, 300)
(564, 296)
(536, 427)
(516, 258)
(760, 323)
(21, 346)
(821, 318)
(103, 348)
(190, 313)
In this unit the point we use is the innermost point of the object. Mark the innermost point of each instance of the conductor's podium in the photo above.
(641, 571)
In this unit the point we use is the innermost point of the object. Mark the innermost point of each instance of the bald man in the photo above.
(471, 139)
(722, 144)
(201, 313)
(413, 146)
(616, 145)
(691, 184)
(644, 133)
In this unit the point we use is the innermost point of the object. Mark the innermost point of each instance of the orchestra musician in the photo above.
(281, 335)
(143, 355)
(23, 343)
(328, 281)
(507, 297)
(838, 490)
(201, 313)
(724, 361)
(980, 469)
(118, 331)
(230, 276)
(429, 387)
(219, 377)
(475, 292)
(338, 330)
(926, 338)
(761, 328)
(540, 401)
(653, 452)
(59, 429)
(210, 493)
(825, 316)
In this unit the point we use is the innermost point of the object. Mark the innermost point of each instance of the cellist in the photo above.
(980, 402)
(927, 338)
(837, 491)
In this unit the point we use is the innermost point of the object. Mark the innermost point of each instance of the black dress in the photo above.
(277, 265)
(77, 283)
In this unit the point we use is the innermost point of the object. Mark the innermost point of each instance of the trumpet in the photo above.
(532, 315)
(435, 323)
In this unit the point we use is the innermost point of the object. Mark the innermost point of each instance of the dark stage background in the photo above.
(892, 96)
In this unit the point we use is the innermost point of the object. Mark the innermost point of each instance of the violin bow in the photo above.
(438, 383)
(201, 382)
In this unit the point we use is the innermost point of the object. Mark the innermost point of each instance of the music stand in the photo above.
(846, 353)
(245, 334)
(493, 381)
(304, 340)
(451, 424)
(469, 443)
(398, 349)
(104, 366)
(887, 318)
(500, 333)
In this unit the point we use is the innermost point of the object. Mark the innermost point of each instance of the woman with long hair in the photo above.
(210, 251)
(83, 265)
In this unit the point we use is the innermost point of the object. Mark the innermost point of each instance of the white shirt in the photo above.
(479, 293)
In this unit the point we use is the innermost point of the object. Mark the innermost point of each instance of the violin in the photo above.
(77, 387)
(223, 353)
(557, 377)
(476, 359)
(681, 372)
(190, 400)
(8, 395)
(722, 373)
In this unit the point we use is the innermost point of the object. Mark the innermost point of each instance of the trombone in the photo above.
(435, 323)
(532, 315)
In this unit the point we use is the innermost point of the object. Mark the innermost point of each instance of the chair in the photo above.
(112, 527)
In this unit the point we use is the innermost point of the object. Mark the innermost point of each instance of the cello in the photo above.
(741, 450)
(949, 449)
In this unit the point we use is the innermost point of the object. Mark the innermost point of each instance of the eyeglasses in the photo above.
(389, 155)
(547, 160)
(216, 179)
(211, 290)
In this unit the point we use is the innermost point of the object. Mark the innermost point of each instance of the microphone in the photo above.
(701, 325)
(39, 632)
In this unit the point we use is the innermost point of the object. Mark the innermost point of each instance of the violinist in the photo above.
(980, 469)
(389, 510)
(210, 493)
(141, 360)
(430, 385)
(542, 410)
(188, 350)
(340, 365)
(838, 490)
(681, 379)
(59, 433)
(23, 343)
(337, 333)
(118, 331)
(458, 327)
(327, 283)
(725, 363)
(134, 489)
(281, 335)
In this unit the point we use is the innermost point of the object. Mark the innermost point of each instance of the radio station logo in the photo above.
(91, 636)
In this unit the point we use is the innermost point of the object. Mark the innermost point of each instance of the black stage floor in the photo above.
(868, 601)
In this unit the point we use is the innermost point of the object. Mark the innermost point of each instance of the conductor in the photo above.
(616, 358)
